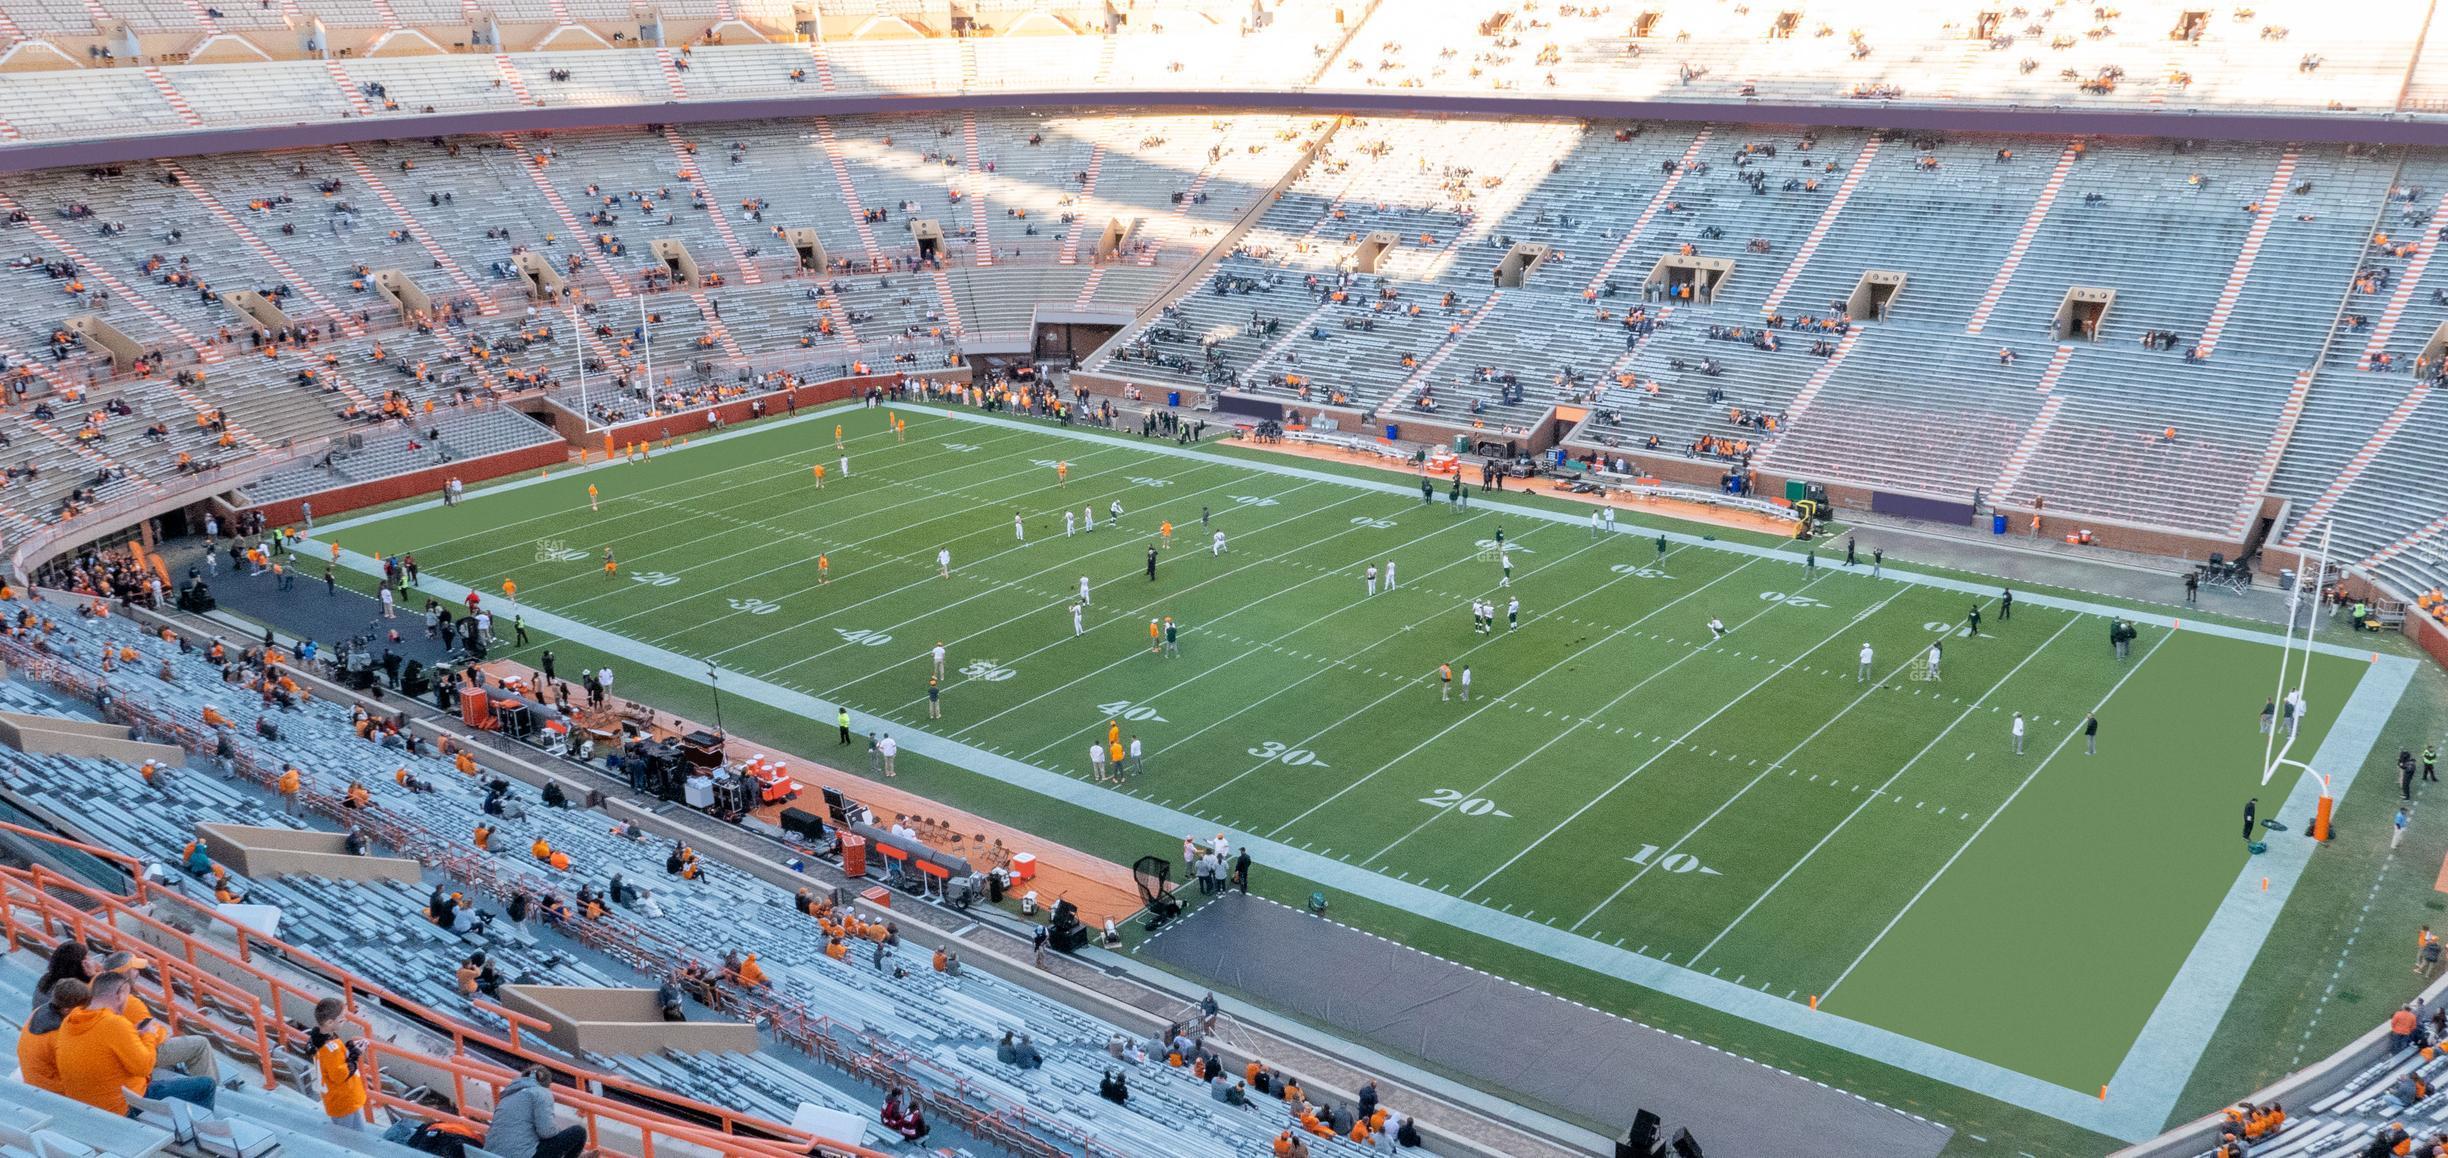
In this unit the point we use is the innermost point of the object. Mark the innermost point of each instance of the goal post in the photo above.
(2295, 657)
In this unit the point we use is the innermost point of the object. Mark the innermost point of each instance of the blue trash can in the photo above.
(1393, 432)
(1173, 398)
(1997, 524)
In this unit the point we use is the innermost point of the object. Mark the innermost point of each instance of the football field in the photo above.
(1758, 822)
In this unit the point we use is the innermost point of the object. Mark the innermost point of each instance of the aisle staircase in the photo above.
(511, 79)
(849, 190)
(1409, 392)
(717, 213)
(2407, 283)
(2418, 391)
(86, 267)
(2023, 238)
(1082, 216)
(974, 189)
(1657, 202)
(173, 97)
(1827, 220)
(2028, 446)
(416, 231)
(579, 235)
(2265, 211)
(2291, 414)
(671, 73)
(348, 88)
(305, 288)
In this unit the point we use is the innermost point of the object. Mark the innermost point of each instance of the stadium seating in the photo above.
(1801, 216)
(943, 1029)
(2283, 57)
(2371, 1100)
(2233, 252)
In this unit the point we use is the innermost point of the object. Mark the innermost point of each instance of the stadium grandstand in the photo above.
(457, 695)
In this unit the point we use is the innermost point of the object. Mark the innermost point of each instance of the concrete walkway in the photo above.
(2174, 1038)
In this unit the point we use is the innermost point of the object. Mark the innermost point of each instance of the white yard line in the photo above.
(900, 532)
(2003, 805)
(581, 471)
(1916, 655)
(1875, 793)
(1677, 742)
(1227, 717)
(1494, 700)
(1900, 571)
(1158, 602)
(1399, 689)
(1343, 573)
(1702, 647)
(776, 535)
(1136, 544)
(2149, 1083)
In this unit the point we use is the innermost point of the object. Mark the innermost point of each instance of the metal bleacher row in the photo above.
(2239, 252)
(2375, 1100)
(375, 928)
(942, 1028)
(1920, 51)
(150, 248)
(2282, 56)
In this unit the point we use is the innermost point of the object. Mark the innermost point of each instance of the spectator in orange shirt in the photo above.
(336, 1063)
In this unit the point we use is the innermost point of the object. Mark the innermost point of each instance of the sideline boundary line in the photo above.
(1875, 793)
(2151, 1079)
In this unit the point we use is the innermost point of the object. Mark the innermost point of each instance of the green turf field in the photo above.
(1744, 810)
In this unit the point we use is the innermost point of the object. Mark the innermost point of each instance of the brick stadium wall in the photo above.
(2179, 548)
(1709, 475)
(2428, 635)
(1538, 437)
(376, 492)
(1153, 393)
(736, 411)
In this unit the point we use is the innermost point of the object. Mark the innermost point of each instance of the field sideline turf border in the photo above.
(2148, 1082)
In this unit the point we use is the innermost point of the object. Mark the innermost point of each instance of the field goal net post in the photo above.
(2303, 611)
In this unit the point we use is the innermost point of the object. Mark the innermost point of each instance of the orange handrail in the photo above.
(33, 910)
(591, 1107)
(982, 1112)
(54, 913)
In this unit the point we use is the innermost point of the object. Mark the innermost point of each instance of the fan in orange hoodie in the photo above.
(38, 1042)
(103, 1056)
